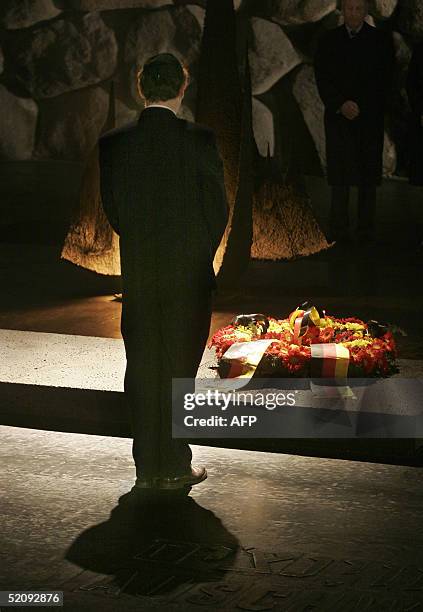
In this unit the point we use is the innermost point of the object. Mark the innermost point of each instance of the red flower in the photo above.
(312, 335)
(327, 334)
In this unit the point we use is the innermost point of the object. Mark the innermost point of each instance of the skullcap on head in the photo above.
(158, 64)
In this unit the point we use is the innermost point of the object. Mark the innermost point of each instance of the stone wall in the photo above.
(57, 58)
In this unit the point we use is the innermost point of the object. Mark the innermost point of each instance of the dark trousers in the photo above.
(168, 342)
(339, 218)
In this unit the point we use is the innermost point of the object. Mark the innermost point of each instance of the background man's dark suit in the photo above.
(163, 192)
(415, 97)
(357, 69)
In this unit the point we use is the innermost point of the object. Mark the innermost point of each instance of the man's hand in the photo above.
(350, 110)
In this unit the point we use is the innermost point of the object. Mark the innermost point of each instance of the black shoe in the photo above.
(146, 483)
(193, 477)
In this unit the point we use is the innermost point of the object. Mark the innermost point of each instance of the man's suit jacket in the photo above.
(358, 69)
(163, 192)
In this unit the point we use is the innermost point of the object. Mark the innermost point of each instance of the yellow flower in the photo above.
(360, 342)
(278, 327)
(242, 333)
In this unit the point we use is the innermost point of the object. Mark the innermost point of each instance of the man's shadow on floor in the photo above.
(148, 539)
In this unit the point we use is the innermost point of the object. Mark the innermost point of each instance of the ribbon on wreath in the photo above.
(242, 358)
(301, 320)
(329, 360)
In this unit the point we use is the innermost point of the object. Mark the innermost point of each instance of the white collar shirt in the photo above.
(160, 106)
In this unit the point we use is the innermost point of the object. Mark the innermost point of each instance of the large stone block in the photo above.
(382, 9)
(389, 156)
(263, 127)
(107, 5)
(187, 110)
(294, 12)
(24, 13)
(402, 52)
(124, 114)
(64, 55)
(17, 125)
(410, 18)
(271, 55)
(198, 12)
(174, 30)
(70, 125)
(203, 3)
(307, 96)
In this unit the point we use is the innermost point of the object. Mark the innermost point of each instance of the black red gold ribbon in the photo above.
(301, 320)
(329, 360)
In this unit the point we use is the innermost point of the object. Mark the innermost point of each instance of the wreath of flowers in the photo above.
(370, 355)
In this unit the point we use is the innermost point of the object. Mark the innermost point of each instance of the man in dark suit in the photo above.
(353, 68)
(163, 193)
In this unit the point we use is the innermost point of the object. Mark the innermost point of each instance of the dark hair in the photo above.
(161, 78)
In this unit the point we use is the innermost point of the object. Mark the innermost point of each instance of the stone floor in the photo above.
(264, 532)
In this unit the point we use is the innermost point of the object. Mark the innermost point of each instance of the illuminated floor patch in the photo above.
(60, 360)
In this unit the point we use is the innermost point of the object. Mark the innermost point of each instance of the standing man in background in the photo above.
(353, 68)
(163, 192)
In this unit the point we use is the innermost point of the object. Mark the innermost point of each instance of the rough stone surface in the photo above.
(399, 116)
(71, 124)
(271, 55)
(174, 30)
(125, 114)
(284, 225)
(186, 113)
(187, 110)
(308, 99)
(104, 5)
(24, 13)
(64, 55)
(294, 12)
(17, 126)
(402, 51)
(332, 20)
(198, 12)
(389, 156)
(1, 61)
(237, 3)
(382, 9)
(410, 18)
(264, 129)
(403, 54)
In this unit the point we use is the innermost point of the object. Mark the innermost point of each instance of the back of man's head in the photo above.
(161, 78)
